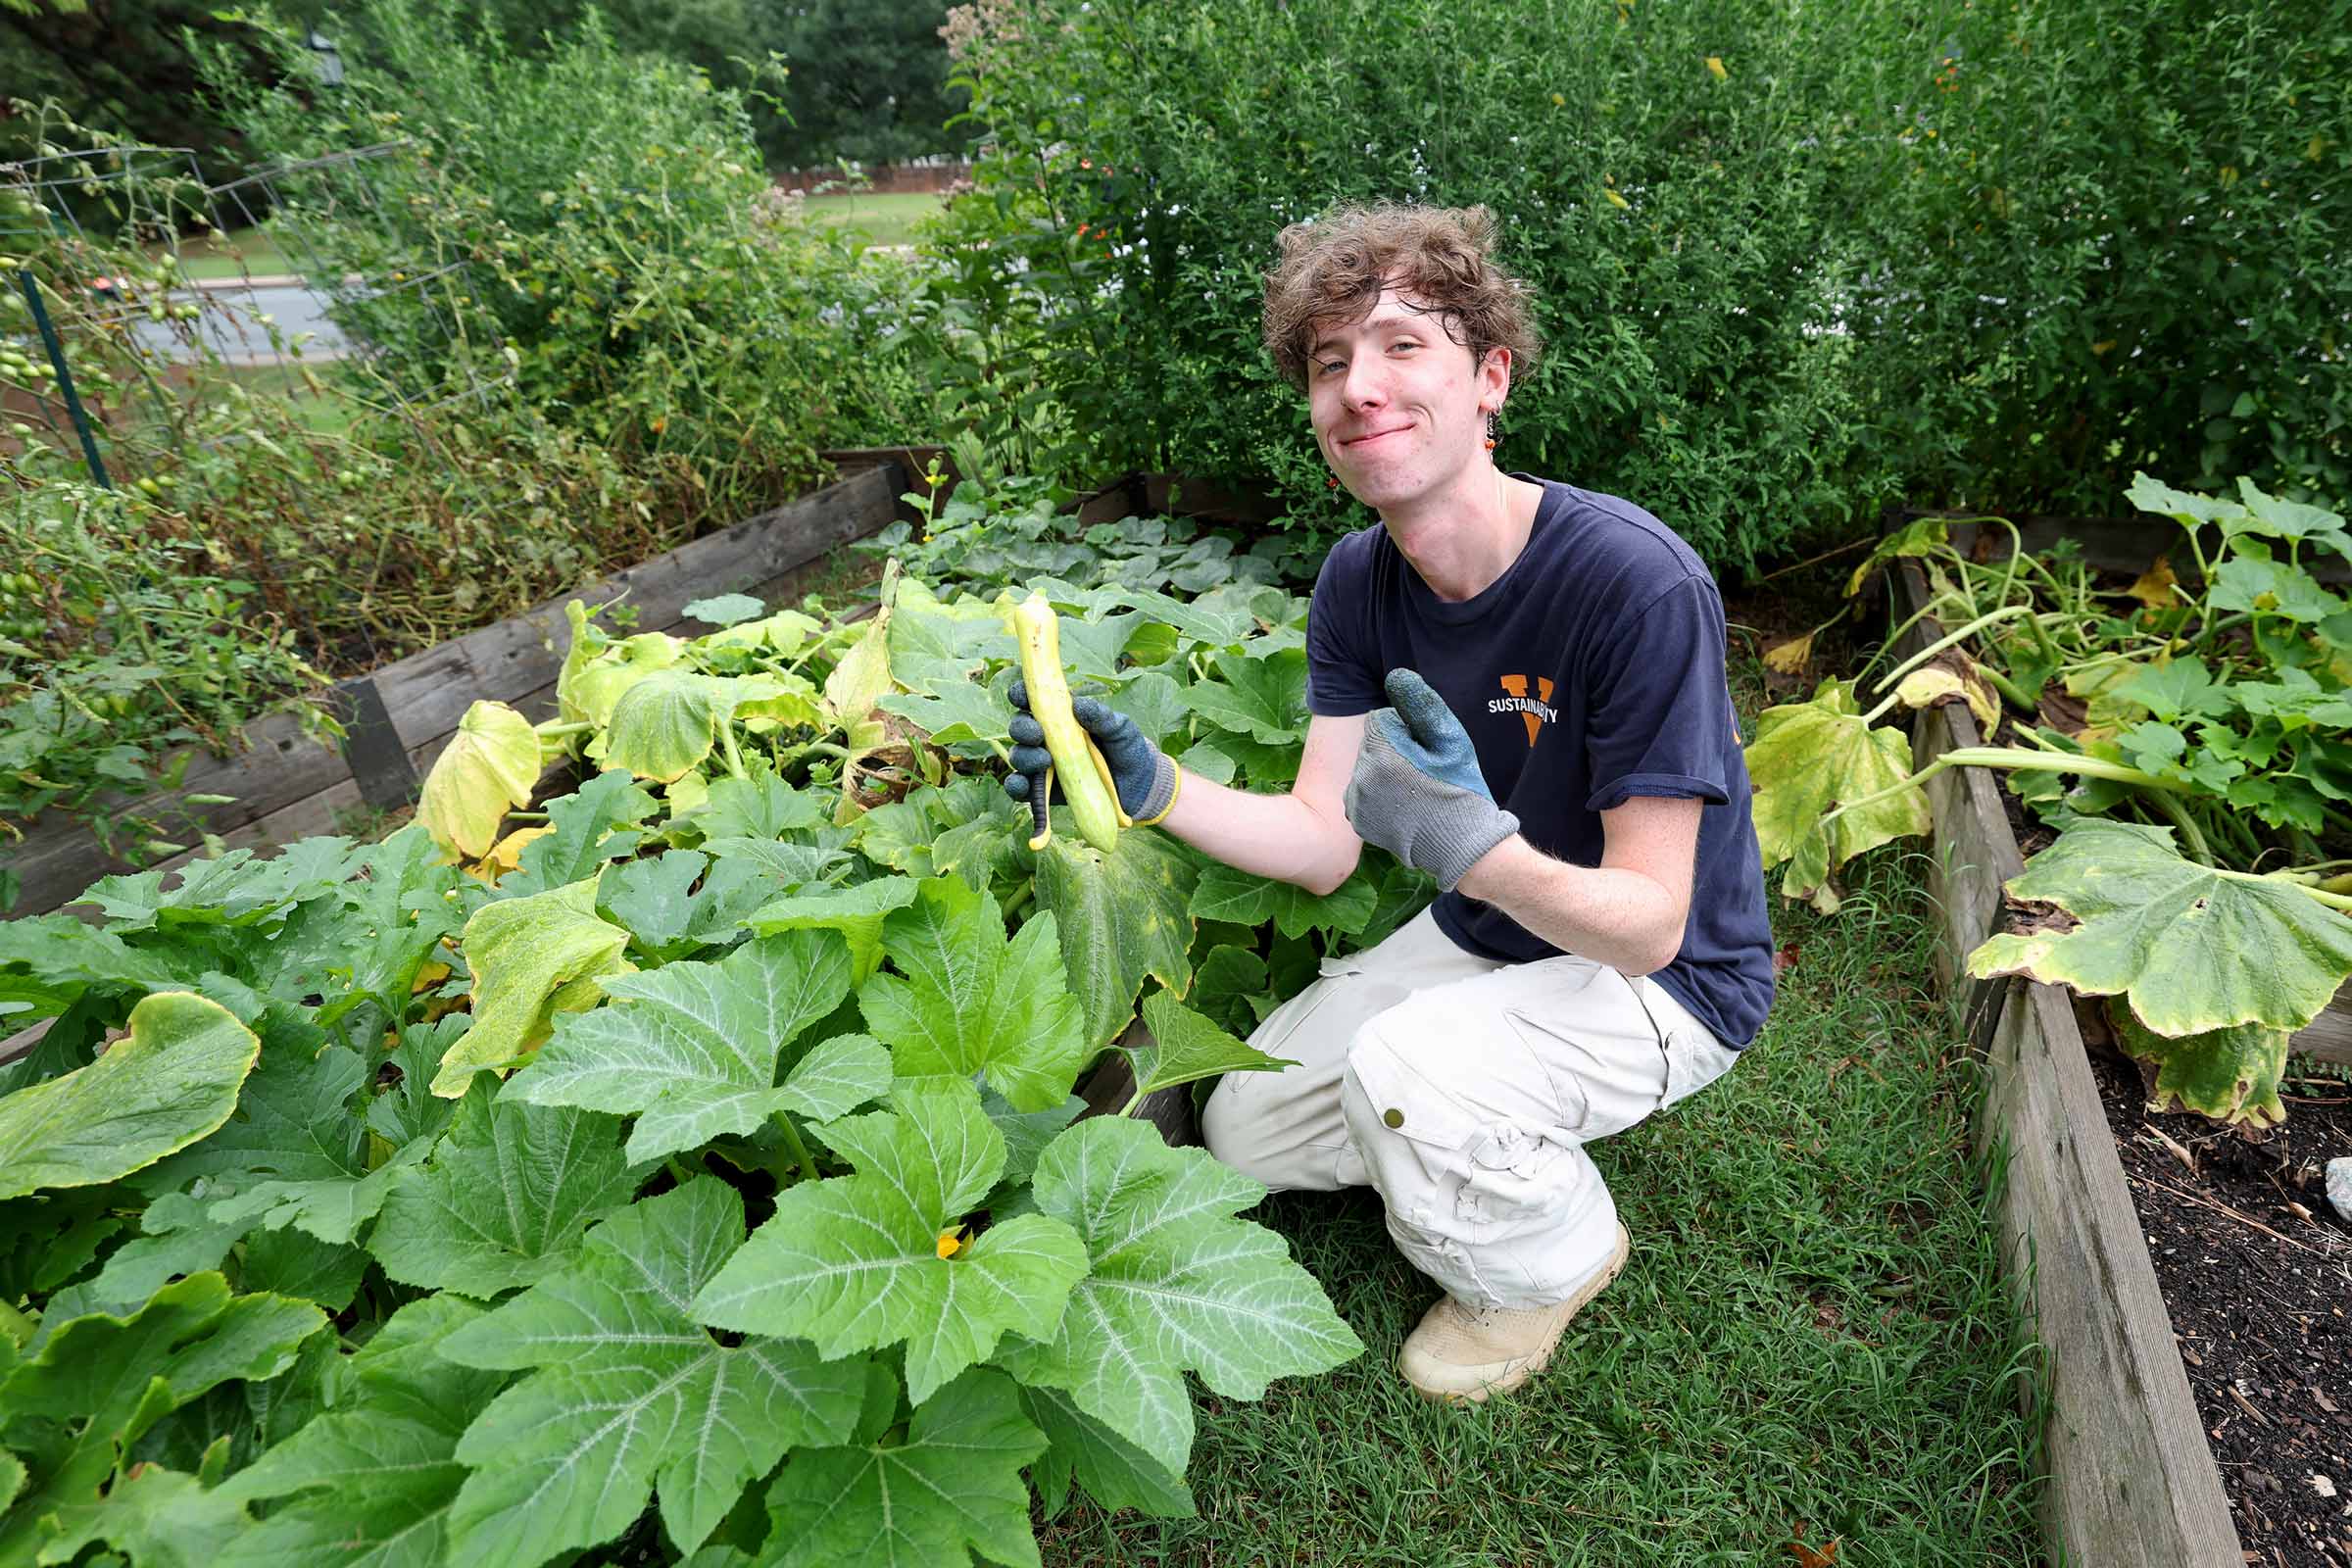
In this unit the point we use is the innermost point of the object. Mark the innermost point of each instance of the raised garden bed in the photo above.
(2134, 1475)
(285, 785)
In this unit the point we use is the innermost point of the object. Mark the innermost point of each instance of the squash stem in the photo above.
(2193, 837)
(792, 1140)
(1950, 639)
(2012, 758)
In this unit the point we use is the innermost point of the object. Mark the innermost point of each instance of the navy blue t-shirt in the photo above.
(1589, 672)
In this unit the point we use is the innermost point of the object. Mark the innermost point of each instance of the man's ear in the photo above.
(1497, 360)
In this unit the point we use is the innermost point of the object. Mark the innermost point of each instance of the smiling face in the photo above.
(1399, 407)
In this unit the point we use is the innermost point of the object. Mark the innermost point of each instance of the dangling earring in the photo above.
(1494, 429)
(1332, 483)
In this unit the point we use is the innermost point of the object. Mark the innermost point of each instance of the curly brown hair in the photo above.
(1332, 269)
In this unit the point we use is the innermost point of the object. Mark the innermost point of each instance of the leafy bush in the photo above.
(2105, 237)
(552, 1332)
(1143, 157)
(619, 250)
(1972, 252)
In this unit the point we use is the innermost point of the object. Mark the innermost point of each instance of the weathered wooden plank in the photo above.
(428, 694)
(60, 857)
(22, 1041)
(1210, 500)
(2116, 544)
(2132, 1482)
(2328, 1037)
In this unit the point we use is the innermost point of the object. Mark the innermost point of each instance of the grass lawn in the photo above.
(1810, 1331)
(237, 253)
(886, 220)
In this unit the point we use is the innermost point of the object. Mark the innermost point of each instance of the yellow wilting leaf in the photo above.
(1791, 656)
(1939, 681)
(1715, 64)
(507, 854)
(2103, 346)
(950, 1242)
(2154, 587)
(1615, 199)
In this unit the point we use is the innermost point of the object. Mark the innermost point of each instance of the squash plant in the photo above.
(2187, 736)
(689, 1176)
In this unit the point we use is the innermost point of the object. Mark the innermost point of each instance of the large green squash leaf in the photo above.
(169, 1081)
(1808, 756)
(48, 961)
(595, 673)
(490, 767)
(1114, 1472)
(856, 1263)
(158, 1518)
(1174, 1282)
(2193, 948)
(628, 1394)
(1122, 918)
(691, 1050)
(1242, 897)
(1185, 1047)
(504, 1198)
(951, 1490)
(666, 723)
(2229, 1074)
(533, 959)
(681, 902)
(967, 1001)
(99, 1381)
(371, 1481)
(1265, 698)
(296, 1153)
(594, 824)
(855, 911)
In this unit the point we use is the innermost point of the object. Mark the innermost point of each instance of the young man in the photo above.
(1517, 686)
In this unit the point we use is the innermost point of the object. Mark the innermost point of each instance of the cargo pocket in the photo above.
(1454, 1182)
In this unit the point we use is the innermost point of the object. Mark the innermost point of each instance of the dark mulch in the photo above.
(2261, 1301)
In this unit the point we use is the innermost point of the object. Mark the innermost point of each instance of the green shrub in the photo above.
(2110, 236)
(596, 223)
(2000, 255)
(1143, 157)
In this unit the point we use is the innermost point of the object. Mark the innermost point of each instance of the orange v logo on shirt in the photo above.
(1535, 711)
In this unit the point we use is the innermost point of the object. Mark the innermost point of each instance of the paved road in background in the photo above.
(231, 323)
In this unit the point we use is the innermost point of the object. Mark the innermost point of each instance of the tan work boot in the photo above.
(1463, 1353)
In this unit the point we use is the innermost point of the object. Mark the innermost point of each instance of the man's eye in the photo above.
(1332, 366)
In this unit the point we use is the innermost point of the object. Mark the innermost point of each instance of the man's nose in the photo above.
(1366, 384)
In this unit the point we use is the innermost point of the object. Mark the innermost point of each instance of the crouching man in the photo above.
(1518, 687)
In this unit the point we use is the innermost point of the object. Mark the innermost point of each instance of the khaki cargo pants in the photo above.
(1465, 1091)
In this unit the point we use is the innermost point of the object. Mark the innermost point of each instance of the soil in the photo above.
(2260, 1297)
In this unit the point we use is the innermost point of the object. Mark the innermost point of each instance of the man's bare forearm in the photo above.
(1620, 918)
(1278, 836)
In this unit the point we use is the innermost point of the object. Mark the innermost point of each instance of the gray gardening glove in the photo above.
(1417, 792)
(1142, 776)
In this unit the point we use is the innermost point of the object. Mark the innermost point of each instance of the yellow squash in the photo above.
(1085, 776)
